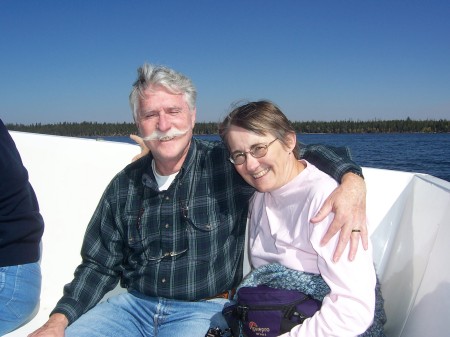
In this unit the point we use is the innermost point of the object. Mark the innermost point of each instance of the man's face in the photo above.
(166, 123)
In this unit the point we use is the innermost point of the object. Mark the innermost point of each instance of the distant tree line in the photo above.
(375, 126)
(95, 129)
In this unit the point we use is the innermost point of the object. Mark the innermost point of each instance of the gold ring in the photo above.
(356, 230)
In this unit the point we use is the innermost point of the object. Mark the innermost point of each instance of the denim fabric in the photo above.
(20, 287)
(134, 314)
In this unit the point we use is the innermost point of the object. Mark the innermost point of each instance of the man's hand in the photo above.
(144, 148)
(348, 202)
(54, 327)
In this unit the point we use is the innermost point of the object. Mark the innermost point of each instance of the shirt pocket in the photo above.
(143, 240)
(207, 233)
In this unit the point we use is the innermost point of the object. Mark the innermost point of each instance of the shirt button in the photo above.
(167, 197)
(167, 225)
(163, 280)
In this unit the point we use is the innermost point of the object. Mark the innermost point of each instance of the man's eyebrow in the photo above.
(176, 107)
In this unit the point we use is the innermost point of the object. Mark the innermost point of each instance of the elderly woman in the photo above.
(264, 150)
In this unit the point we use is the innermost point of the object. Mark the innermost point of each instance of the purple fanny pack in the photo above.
(266, 311)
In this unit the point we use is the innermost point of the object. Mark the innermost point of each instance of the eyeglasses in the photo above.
(152, 245)
(257, 151)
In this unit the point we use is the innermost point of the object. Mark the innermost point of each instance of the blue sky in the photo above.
(67, 60)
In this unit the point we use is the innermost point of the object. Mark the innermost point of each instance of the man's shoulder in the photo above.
(132, 173)
(208, 144)
(210, 148)
(211, 160)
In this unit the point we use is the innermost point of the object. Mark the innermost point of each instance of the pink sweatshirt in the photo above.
(280, 232)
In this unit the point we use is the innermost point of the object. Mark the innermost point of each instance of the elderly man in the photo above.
(171, 226)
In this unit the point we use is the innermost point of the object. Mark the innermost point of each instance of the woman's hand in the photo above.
(144, 148)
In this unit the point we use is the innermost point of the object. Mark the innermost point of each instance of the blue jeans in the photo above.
(134, 314)
(20, 287)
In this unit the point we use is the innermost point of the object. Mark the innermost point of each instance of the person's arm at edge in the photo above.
(348, 201)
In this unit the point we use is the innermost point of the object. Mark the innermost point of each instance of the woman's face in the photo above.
(267, 173)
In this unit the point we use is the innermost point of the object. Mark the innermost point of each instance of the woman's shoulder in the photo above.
(317, 179)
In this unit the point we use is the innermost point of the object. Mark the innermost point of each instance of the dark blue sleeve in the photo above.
(335, 161)
(21, 224)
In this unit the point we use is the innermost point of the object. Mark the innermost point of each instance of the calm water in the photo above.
(424, 153)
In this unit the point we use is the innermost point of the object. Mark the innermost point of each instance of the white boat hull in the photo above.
(408, 213)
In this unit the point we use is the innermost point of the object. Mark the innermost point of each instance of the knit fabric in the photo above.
(277, 276)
